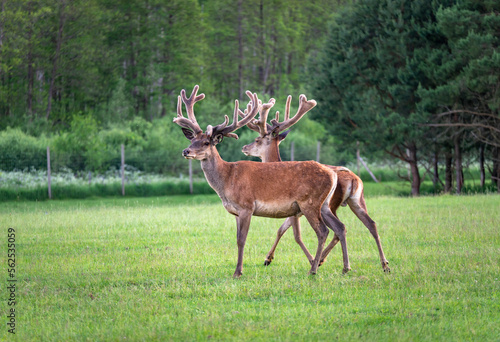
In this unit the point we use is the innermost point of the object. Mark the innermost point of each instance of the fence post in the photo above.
(292, 151)
(358, 157)
(190, 176)
(123, 170)
(367, 169)
(48, 173)
(317, 151)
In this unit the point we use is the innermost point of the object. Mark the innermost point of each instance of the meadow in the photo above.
(160, 269)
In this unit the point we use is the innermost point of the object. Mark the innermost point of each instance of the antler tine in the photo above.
(189, 102)
(287, 107)
(252, 110)
(189, 122)
(250, 113)
(250, 124)
(264, 112)
(260, 126)
(304, 107)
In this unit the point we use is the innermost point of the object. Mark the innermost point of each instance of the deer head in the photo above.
(203, 144)
(271, 135)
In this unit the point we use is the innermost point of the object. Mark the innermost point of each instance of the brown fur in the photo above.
(349, 191)
(277, 190)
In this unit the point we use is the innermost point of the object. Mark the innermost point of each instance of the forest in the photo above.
(411, 82)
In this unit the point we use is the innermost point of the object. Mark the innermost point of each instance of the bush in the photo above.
(20, 151)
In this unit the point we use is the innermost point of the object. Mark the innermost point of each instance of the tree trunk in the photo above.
(458, 163)
(498, 170)
(31, 76)
(448, 171)
(481, 165)
(2, 15)
(261, 47)
(55, 61)
(415, 179)
(2, 10)
(435, 179)
(240, 47)
(495, 174)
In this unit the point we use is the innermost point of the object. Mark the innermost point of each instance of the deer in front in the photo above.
(246, 188)
(349, 190)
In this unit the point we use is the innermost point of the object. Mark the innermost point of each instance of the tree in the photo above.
(367, 76)
(464, 99)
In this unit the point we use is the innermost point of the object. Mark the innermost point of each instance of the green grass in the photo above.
(142, 269)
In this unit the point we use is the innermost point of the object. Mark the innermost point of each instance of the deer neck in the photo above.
(215, 170)
(272, 153)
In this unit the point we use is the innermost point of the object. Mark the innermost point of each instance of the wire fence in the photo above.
(127, 172)
(53, 174)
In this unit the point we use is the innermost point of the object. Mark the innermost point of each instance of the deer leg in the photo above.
(321, 232)
(242, 226)
(332, 243)
(294, 222)
(298, 237)
(359, 209)
(284, 227)
(335, 203)
(338, 227)
(328, 249)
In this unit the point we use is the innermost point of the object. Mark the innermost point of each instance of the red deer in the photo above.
(349, 190)
(248, 188)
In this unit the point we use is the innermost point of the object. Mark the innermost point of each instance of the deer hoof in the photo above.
(237, 275)
(345, 270)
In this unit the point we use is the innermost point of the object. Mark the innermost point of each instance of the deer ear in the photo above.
(218, 139)
(283, 135)
(188, 133)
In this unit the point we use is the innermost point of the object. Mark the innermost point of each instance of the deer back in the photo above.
(276, 190)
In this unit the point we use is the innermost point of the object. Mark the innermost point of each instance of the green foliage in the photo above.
(80, 145)
(150, 147)
(368, 72)
(466, 70)
(21, 151)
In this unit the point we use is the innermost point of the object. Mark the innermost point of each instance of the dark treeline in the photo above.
(123, 59)
(419, 80)
(414, 80)
(87, 76)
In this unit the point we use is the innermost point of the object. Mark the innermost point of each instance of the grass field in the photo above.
(160, 269)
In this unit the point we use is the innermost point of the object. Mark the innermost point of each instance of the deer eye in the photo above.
(206, 143)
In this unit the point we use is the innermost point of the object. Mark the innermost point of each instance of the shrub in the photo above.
(20, 151)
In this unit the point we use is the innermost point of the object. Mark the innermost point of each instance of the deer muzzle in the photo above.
(246, 150)
(186, 153)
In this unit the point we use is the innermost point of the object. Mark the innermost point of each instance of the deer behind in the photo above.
(349, 190)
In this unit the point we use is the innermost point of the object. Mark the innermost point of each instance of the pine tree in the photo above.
(367, 76)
